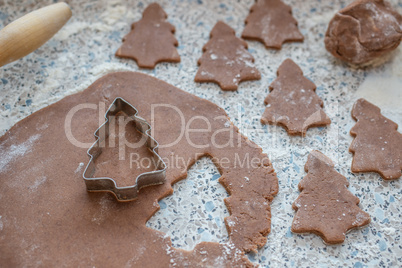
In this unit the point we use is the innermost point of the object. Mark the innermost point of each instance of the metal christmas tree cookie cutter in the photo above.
(104, 184)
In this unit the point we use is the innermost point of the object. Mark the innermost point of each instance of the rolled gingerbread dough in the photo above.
(49, 219)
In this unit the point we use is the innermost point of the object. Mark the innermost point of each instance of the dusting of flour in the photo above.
(15, 151)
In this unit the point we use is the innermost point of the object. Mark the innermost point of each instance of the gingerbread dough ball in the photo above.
(363, 32)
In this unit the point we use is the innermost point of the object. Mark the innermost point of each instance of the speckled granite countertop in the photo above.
(84, 51)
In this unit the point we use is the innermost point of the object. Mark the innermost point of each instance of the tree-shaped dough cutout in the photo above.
(293, 102)
(123, 147)
(151, 39)
(196, 210)
(377, 146)
(325, 206)
(225, 60)
(271, 22)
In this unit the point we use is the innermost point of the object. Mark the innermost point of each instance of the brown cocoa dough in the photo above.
(271, 23)
(325, 206)
(292, 101)
(377, 144)
(151, 39)
(50, 220)
(363, 32)
(110, 155)
(226, 60)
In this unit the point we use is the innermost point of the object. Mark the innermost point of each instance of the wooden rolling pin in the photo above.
(29, 32)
